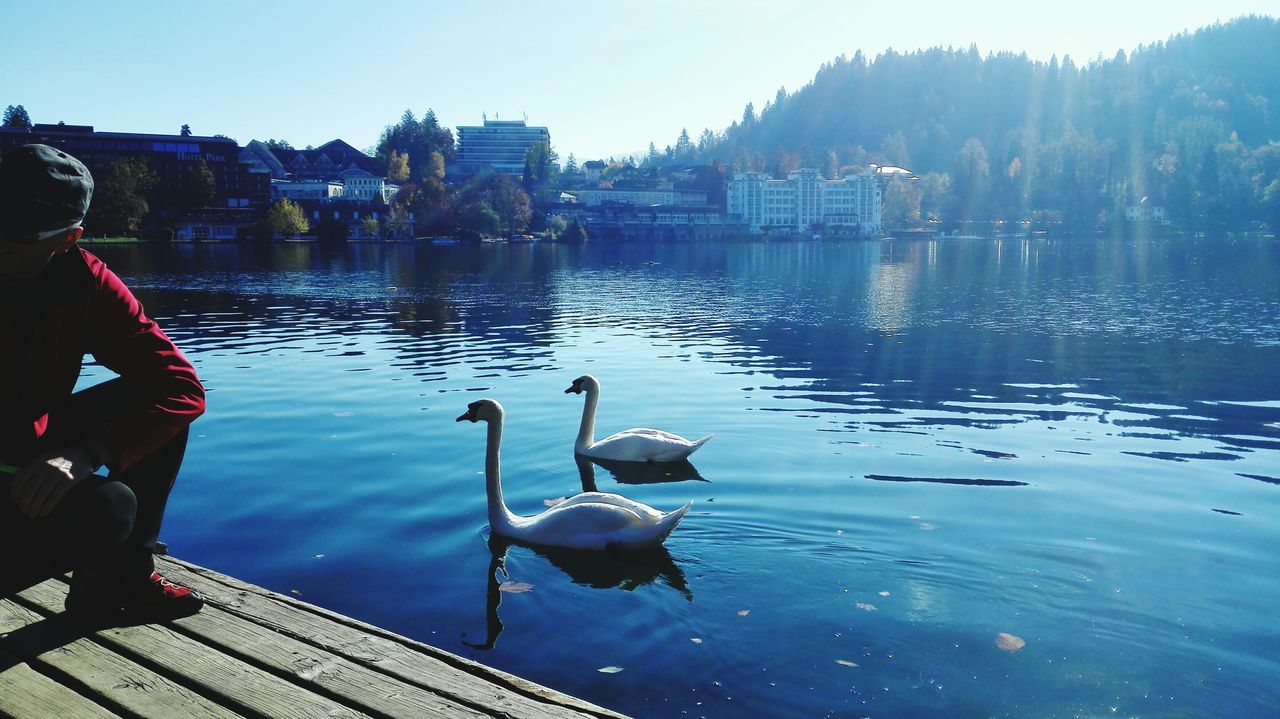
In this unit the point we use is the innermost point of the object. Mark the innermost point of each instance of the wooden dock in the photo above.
(249, 653)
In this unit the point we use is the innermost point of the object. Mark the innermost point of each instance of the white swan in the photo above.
(639, 444)
(591, 520)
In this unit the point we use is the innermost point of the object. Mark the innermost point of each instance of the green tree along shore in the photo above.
(1191, 124)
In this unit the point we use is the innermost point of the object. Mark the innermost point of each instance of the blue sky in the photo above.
(605, 77)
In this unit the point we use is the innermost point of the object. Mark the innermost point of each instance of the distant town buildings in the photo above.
(336, 183)
(236, 184)
(499, 144)
(804, 202)
(332, 182)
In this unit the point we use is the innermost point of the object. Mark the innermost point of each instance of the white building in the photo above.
(804, 200)
(305, 189)
(629, 196)
(358, 184)
(499, 144)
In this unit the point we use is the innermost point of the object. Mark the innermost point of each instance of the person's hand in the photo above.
(45, 480)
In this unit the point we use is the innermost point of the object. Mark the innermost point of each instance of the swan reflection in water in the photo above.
(621, 569)
(636, 472)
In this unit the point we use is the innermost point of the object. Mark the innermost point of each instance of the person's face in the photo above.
(22, 257)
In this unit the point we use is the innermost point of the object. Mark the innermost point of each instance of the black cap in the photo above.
(42, 188)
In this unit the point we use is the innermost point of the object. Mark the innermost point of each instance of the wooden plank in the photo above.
(320, 671)
(28, 694)
(234, 683)
(99, 673)
(236, 594)
(380, 653)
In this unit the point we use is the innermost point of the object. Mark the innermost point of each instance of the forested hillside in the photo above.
(1191, 123)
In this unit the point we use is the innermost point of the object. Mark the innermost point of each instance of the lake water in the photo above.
(919, 445)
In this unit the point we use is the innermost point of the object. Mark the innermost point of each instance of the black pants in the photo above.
(103, 527)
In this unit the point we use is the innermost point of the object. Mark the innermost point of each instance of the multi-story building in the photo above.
(236, 184)
(500, 144)
(805, 201)
(639, 196)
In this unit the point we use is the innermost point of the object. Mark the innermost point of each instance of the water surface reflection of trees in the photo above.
(928, 323)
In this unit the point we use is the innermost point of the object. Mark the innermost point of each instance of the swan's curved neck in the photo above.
(499, 515)
(587, 430)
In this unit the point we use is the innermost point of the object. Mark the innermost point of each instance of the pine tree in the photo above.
(16, 116)
(684, 146)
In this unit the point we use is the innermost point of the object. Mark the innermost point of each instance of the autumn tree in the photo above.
(286, 218)
(398, 167)
(417, 139)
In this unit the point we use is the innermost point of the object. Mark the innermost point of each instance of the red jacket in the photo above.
(80, 307)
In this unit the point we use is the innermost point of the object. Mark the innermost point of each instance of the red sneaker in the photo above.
(157, 598)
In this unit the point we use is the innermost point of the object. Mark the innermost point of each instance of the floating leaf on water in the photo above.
(609, 670)
(1009, 642)
(553, 502)
(865, 607)
(515, 587)
(695, 640)
(743, 612)
(846, 663)
(884, 594)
